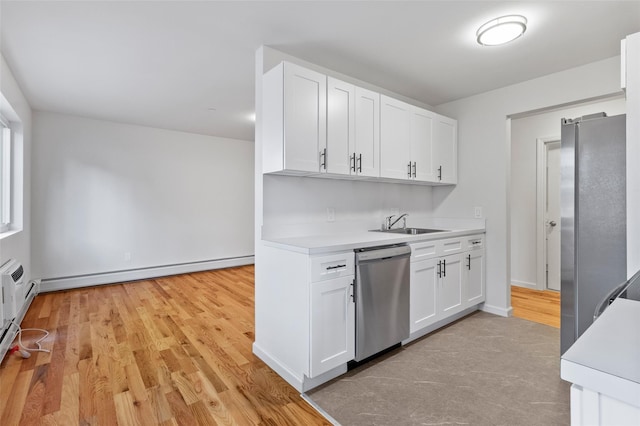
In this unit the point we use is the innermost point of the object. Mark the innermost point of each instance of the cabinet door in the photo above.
(395, 138)
(474, 283)
(340, 127)
(422, 145)
(305, 118)
(332, 340)
(445, 149)
(423, 306)
(367, 132)
(451, 276)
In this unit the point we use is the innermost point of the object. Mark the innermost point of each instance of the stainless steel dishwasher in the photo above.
(382, 298)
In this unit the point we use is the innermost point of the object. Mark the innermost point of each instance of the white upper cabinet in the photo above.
(341, 112)
(422, 166)
(313, 124)
(294, 126)
(395, 138)
(367, 135)
(353, 129)
(445, 159)
(407, 141)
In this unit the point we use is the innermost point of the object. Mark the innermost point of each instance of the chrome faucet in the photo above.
(403, 216)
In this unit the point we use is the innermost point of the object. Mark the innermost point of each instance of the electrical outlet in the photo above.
(331, 214)
(127, 256)
(477, 212)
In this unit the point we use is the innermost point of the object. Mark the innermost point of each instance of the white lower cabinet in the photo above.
(305, 314)
(305, 308)
(332, 324)
(475, 277)
(422, 303)
(592, 408)
(451, 278)
(444, 285)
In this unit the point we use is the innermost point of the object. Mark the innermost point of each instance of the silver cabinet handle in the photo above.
(323, 158)
(469, 264)
(440, 173)
(352, 162)
(359, 162)
(409, 173)
(439, 269)
(444, 268)
(415, 168)
(335, 267)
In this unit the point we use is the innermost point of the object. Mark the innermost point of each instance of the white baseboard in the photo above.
(497, 310)
(280, 369)
(66, 283)
(525, 284)
(439, 324)
(301, 384)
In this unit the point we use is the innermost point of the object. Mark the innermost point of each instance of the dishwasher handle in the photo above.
(380, 253)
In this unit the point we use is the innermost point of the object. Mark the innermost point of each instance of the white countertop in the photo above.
(317, 244)
(606, 358)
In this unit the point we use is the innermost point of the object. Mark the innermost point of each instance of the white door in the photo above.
(332, 324)
(340, 127)
(552, 215)
(305, 118)
(474, 285)
(445, 142)
(422, 303)
(422, 145)
(367, 132)
(395, 138)
(451, 284)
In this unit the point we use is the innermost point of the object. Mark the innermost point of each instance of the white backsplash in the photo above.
(296, 206)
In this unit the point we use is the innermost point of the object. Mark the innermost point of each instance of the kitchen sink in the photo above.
(409, 231)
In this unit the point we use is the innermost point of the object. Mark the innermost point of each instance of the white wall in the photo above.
(524, 133)
(103, 189)
(18, 245)
(484, 155)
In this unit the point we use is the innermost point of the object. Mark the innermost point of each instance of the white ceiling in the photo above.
(167, 64)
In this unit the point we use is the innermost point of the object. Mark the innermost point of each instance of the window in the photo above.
(5, 175)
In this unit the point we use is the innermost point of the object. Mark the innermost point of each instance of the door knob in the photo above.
(552, 223)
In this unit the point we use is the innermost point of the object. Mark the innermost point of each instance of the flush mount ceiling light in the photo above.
(501, 30)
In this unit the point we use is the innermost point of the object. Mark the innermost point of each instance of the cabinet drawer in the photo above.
(332, 266)
(420, 251)
(451, 246)
(474, 242)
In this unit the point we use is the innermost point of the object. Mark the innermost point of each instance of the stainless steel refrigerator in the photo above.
(593, 258)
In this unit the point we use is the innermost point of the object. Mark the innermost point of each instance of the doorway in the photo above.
(531, 235)
(548, 217)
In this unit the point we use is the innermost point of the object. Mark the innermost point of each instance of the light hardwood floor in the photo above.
(538, 306)
(174, 350)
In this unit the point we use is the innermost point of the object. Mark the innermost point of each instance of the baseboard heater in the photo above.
(78, 281)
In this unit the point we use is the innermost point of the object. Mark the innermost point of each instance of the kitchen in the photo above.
(482, 167)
